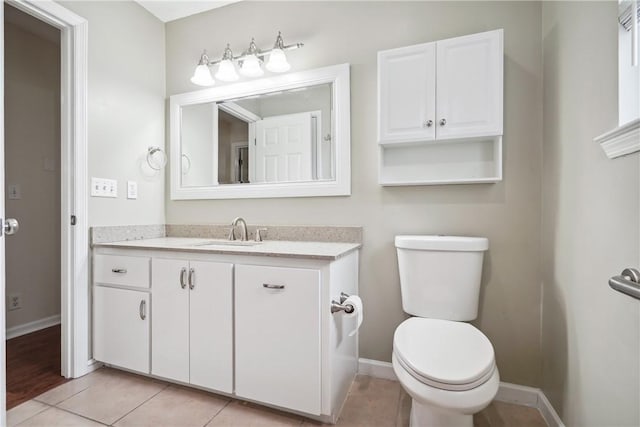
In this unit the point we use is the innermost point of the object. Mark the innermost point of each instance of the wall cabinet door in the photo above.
(211, 325)
(469, 86)
(121, 328)
(170, 332)
(278, 336)
(406, 94)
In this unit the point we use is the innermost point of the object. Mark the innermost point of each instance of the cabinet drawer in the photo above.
(122, 270)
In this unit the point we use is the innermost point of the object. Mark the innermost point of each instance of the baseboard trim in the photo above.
(36, 325)
(509, 393)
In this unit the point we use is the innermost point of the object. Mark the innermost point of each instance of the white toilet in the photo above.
(447, 366)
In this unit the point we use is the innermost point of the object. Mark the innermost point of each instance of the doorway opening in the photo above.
(33, 263)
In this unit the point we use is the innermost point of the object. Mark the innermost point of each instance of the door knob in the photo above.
(628, 282)
(10, 226)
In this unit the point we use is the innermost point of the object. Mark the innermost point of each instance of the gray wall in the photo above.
(32, 135)
(126, 107)
(508, 213)
(591, 334)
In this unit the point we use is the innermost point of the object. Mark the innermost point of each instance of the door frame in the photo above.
(74, 184)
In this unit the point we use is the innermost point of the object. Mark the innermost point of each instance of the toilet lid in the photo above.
(446, 354)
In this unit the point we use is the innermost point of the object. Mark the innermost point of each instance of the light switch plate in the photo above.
(132, 190)
(14, 192)
(102, 187)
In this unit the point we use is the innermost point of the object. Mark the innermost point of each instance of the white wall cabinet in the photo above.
(440, 111)
(278, 318)
(192, 334)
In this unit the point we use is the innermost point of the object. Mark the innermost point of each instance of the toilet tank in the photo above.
(440, 275)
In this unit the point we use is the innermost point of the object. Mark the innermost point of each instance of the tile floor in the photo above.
(111, 397)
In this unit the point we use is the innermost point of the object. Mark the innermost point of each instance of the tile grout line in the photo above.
(78, 415)
(217, 413)
(166, 386)
(28, 418)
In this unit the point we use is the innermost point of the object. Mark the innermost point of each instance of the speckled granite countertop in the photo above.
(274, 248)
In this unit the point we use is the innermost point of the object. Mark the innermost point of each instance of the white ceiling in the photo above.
(169, 10)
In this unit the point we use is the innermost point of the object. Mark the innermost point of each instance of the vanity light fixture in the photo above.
(226, 69)
(250, 63)
(202, 74)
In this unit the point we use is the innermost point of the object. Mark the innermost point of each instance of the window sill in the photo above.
(622, 140)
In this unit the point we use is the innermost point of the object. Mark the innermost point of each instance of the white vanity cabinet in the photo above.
(255, 326)
(440, 111)
(121, 311)
(192, 333)
(277, 311)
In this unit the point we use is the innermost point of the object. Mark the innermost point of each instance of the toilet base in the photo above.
(431, 416)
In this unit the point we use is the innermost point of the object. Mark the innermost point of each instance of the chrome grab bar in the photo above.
(628, 282)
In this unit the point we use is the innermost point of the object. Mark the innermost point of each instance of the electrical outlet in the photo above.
(15, 302)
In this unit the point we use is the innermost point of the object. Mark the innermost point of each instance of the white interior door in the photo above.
(283, 150)
(3, 363)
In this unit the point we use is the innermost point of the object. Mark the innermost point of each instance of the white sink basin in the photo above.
(214, 243)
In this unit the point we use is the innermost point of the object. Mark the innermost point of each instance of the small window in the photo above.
(628, 69)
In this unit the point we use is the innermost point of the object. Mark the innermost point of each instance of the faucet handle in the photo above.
(259, 236)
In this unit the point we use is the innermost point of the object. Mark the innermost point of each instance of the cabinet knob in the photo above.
(428, 123)
(443, 122)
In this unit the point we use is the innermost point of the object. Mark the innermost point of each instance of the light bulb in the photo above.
(278, 61)
(251, 66)
(227, 71)
(202, 76)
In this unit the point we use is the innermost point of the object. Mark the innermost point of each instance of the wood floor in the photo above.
(33, 365)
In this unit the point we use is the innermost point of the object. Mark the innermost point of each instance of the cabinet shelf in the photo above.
(470, 161)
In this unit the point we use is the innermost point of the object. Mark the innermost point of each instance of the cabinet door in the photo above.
(278, 336)
(211, 325)
(469, 86)
(406, 94)
(170, 331)
(121, 328)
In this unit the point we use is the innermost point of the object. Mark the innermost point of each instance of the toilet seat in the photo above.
(444, 354)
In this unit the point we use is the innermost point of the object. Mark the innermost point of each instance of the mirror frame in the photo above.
(338, 75)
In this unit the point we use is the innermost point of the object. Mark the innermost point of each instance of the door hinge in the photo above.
(255, 141)
(73, 220)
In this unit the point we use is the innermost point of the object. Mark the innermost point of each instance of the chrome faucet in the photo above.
(243, 225)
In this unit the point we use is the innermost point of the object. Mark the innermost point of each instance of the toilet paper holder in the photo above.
(340, 306)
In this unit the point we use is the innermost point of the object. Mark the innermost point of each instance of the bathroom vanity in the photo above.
(250, 320)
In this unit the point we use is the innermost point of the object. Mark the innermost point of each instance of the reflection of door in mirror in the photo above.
(285, 148)
(232, 133)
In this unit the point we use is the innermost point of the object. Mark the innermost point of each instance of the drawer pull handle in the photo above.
(183, 277)
(143, 309)
(271, 286)
(119, 270)
(192, 278)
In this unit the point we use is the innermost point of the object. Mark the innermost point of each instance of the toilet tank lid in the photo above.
(442, 243)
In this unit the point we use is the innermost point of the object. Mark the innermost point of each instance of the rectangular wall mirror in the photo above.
(284, 136)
